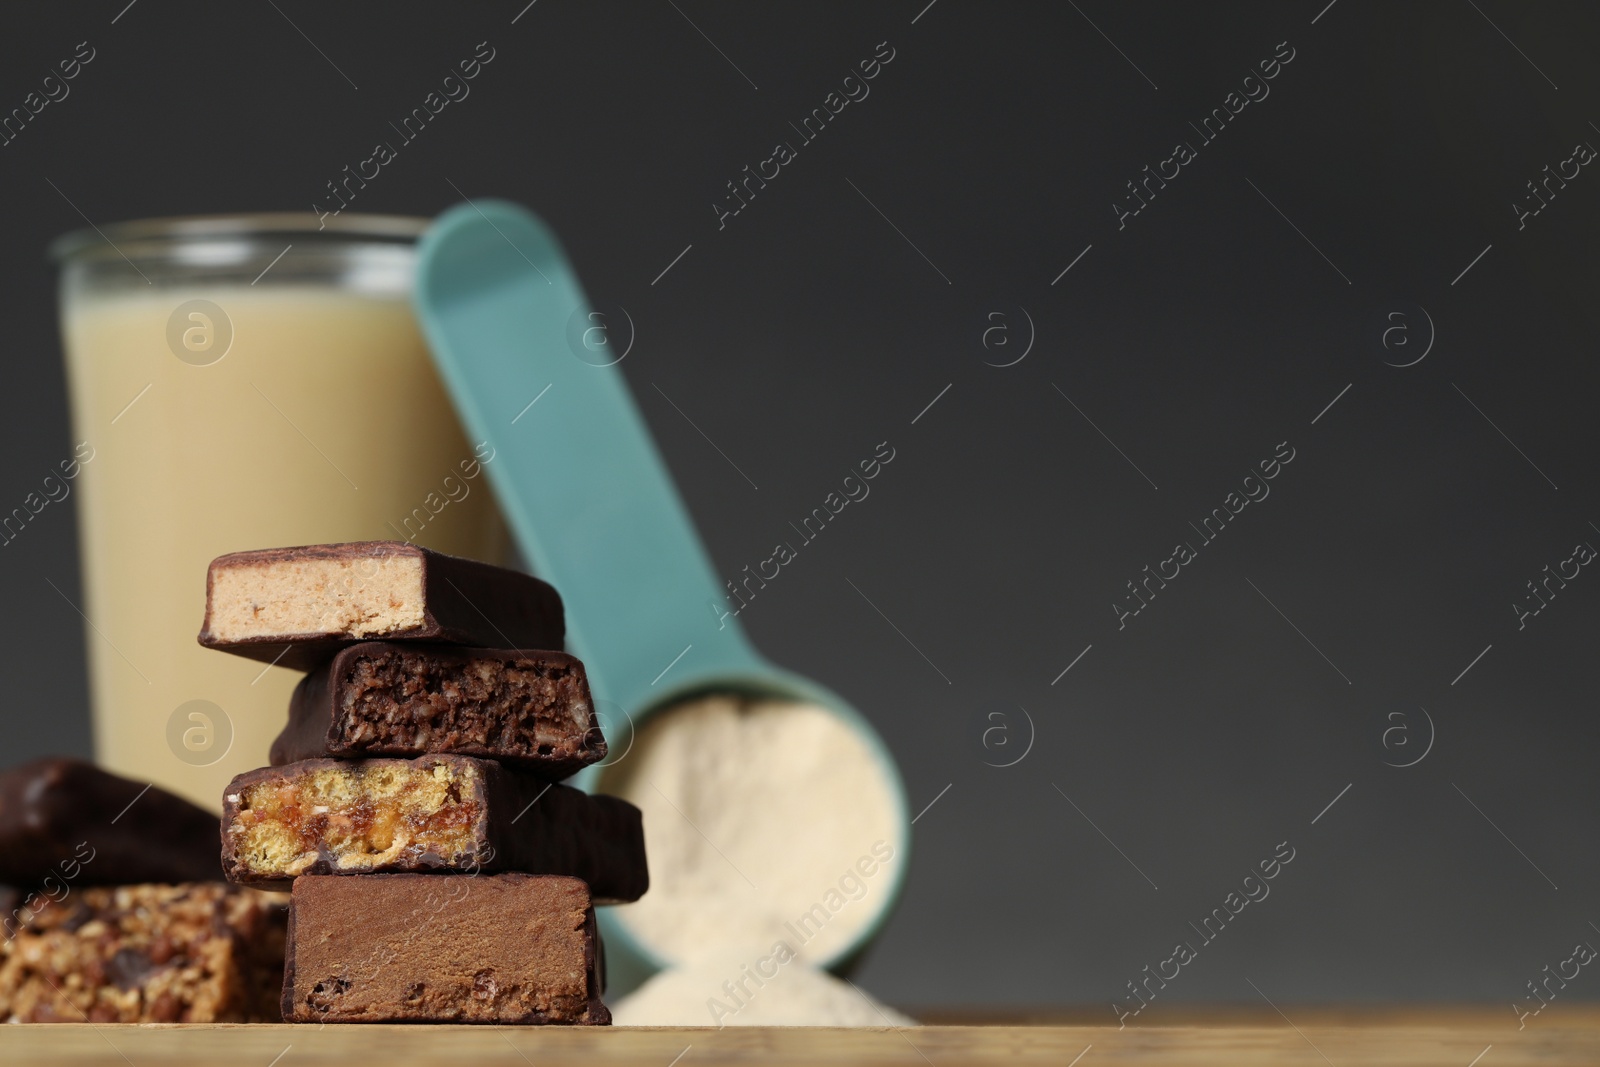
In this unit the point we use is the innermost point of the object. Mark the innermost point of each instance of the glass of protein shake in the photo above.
(240, 382)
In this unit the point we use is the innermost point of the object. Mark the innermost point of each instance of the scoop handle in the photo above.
(577, 475)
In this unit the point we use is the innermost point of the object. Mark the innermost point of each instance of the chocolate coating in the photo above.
(435, 813)
(462, 602)
(383, 698)
(504, 948)
(69, 821)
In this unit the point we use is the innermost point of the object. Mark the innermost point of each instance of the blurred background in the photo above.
(1355, 272)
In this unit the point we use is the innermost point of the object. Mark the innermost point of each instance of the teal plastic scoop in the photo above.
(590, 501)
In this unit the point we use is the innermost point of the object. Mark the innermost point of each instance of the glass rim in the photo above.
(390, 229)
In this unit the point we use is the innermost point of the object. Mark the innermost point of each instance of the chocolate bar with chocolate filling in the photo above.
(502, 948)
(435, 813)
(296, 607)
(390, 698)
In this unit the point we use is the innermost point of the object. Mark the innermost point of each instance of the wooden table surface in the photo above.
(1476, 1036)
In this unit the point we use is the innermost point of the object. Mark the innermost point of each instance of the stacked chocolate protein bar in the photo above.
(438, 872)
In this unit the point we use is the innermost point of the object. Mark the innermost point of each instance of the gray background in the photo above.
(1197, 338)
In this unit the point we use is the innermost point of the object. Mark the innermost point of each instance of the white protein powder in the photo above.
(765, 821)
(724, 990)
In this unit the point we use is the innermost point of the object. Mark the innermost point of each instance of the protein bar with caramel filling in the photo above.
(435, 813)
